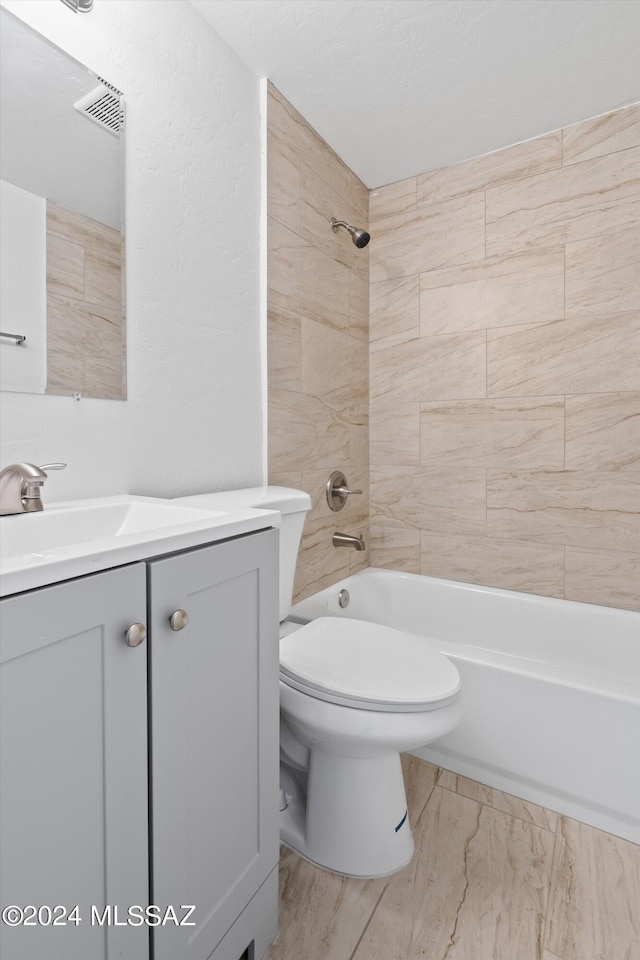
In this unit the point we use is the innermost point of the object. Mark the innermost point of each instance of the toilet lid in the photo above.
(368, 665)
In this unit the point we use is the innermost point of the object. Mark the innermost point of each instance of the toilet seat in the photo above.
(367, 666)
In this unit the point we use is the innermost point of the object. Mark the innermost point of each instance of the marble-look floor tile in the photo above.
(595, 896)
(475, 890)
(322, 914)
(420, 778)
(512, 806)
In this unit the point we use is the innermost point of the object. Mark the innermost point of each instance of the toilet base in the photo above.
(353, 819)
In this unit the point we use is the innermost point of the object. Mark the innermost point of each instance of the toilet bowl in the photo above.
(353, 696)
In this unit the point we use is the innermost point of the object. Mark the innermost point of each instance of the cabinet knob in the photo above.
(179, 620)
(135, 634)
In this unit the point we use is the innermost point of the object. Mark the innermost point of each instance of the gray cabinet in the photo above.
(214, 748)
(75, 761)
(73, 770)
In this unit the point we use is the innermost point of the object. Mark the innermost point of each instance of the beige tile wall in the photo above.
(318, 309)
(505, 367)
(86, 338)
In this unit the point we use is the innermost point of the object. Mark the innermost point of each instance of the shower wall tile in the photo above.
(507, 564)
(319, 204)
(318, 328)
(395, 309)
(419, 239)
(86, 331)
(284, 348)
(296, 140)
(428, 498)
(304, 431)
(576, 931)
(395, 546)
(65, 267)
(283, 187)
(578, 355)
(302, 278)
(522, 432)
(497, 292)
(102, 280)
(97, 237)
(429, 368)
(394, 433)
(359, 306)
(388, 202)
(573, 203)
(601, 135)
(602, 273)
(609, 577)
(602, 431)
(576, 508)
(512, 163)
(332, 360)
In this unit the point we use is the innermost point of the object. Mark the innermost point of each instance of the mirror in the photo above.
(62, 314)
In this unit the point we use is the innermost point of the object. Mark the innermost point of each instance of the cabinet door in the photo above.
(214, 746)
(73, 766)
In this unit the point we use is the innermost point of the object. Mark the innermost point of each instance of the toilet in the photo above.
(353, 696)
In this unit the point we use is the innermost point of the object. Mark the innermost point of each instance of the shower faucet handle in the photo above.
(338, 490)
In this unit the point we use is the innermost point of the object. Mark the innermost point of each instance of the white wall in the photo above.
(194, 417)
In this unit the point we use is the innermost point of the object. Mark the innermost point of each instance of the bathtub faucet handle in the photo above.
(338, 490)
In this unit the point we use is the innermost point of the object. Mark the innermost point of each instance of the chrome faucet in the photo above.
(346, 540)
(20, 485)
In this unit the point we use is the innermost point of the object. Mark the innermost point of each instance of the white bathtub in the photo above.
(551, 688)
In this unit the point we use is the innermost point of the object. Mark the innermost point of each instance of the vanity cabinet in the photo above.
(214, 746)
(98, 738)
(73, 770)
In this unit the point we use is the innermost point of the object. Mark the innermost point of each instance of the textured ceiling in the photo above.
(399, 87)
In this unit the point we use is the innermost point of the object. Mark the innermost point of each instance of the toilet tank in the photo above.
(293, 506)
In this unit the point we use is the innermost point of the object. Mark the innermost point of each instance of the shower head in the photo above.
(360, 237)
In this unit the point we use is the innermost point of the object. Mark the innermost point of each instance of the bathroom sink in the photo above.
(83, 536)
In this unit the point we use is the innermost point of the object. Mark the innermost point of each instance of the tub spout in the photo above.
(346, 540)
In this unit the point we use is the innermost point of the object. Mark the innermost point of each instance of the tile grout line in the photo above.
(544, 944)
(514, 816)
(368, 923)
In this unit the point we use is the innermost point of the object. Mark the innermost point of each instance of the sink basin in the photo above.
(83, 536)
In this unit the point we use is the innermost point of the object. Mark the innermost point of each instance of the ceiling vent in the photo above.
(103, 106)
